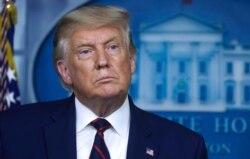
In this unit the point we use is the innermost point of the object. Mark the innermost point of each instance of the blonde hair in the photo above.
(90, 17)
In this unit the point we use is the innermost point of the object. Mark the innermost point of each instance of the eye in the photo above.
(113, 48)
(85, 52)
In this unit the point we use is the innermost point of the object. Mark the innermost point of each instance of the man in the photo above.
(95, 58)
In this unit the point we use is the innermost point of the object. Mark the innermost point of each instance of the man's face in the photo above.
(98, 63)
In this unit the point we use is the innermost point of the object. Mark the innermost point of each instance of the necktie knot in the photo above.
(100, 124)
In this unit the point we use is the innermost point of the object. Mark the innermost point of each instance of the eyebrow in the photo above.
(111, 39)
(87, 44)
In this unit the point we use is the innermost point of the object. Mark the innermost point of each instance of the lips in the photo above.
(105, 79)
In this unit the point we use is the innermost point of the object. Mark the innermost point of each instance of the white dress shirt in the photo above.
(116, 138)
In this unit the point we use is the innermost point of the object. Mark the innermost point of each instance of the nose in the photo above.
(102, 59)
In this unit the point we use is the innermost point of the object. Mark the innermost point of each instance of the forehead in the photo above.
(96, 35)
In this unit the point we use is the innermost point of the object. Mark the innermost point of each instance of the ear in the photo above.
(132, 63)
(64, 71)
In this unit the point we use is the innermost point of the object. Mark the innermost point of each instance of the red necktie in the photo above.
(99, 149)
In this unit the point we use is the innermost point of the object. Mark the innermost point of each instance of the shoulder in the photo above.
(167, 128)
(34, 107)
(31, 112)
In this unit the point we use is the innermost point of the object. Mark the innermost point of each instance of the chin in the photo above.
(111, 93)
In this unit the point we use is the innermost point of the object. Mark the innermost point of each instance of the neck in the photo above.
(103, 107)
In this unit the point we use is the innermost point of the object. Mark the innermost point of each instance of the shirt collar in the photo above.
(122, 115)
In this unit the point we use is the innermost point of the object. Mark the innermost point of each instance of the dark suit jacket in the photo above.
(48, 131)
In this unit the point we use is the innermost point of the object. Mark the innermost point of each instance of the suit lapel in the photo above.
(60, 133)
(142, 143)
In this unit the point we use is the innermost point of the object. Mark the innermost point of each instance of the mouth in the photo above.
(105, 79)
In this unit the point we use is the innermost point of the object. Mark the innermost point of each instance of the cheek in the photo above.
(126, 69)
(81, 72)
